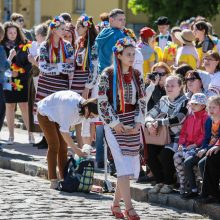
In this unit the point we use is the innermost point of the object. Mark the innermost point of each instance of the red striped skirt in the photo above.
(79, 80)
(129, 143)
(48, 85)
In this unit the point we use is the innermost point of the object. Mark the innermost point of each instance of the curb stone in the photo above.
(139, 192)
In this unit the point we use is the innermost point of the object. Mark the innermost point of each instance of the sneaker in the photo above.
(54, 184)
(10, 141)
(31, 139)
(166, 189)
(156, 188)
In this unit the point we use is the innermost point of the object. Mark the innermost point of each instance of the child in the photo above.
(191, 136)
(151, 53)
(163, 25)
(211, 175)
(187, 53)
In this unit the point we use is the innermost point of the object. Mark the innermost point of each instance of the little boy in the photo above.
(163, 25)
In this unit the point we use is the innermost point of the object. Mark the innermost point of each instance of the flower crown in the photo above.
(130, 33)
(56, 22)
(121, 43)
(86, 21)
(104, 24)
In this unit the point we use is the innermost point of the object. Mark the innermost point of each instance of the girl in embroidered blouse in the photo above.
(85, 74)
(16, 47)
(121, 107)
(85, 61)
(55, 62)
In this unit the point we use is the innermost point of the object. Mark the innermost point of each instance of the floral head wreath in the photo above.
(86, 21)
(130, 33)
(56, 22)
(117, 75)
(121, 43)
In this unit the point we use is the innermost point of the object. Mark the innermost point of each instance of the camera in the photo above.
(152, 76)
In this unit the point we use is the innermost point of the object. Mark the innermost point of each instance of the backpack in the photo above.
(77, 178)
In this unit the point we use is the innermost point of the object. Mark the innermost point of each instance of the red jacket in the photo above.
(193, 130)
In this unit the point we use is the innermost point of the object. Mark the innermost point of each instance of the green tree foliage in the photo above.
(175, 10)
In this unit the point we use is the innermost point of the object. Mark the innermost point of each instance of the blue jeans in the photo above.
(100, 143)
(2, 107)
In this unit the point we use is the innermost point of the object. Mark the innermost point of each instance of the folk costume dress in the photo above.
(85, 74)
(55, 73)
(128, 109)
(20, 64)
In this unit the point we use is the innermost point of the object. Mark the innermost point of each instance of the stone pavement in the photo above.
(26, 197)
(24, 158)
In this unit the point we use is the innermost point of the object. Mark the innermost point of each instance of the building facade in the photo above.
(36, 11)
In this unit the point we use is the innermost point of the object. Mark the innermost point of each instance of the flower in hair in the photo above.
(56, 22)
(130, 33)
(86, 21)
(121, 43)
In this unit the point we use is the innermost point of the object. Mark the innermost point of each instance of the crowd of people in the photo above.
(111, 85)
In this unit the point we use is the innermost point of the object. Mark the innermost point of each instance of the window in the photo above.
(79, 6)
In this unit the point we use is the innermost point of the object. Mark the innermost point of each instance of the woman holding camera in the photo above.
(174, 105)
(155, 90)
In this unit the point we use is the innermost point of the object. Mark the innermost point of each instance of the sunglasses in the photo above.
(190, 79)
(162, 73)
(20, 19)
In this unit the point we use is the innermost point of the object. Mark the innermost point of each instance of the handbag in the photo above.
(77, 178)
(161, 138)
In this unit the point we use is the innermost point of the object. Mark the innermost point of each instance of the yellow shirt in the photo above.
(188, 59)
(154, 58)
(169, 53)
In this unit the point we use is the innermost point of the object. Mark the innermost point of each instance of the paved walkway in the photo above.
(26, 197)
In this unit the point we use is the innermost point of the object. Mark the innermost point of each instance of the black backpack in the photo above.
(77, 178)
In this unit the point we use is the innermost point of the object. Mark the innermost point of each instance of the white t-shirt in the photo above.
(63, 108)
(214, 85)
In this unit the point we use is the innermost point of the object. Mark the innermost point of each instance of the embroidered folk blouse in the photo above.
(80, 59)
(47, 68)
(134, 94)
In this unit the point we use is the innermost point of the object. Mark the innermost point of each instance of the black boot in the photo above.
(43, 144)
(43, 140)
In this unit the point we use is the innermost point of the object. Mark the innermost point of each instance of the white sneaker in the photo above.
(31, 139)
(10, 141)
(156, 188)
(54, 184)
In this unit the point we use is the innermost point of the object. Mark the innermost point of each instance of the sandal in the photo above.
(118, 215)
(131, 217)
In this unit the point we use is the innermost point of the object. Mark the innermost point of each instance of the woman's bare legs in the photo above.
(123, 192)
(10, 117)
(24, 112)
